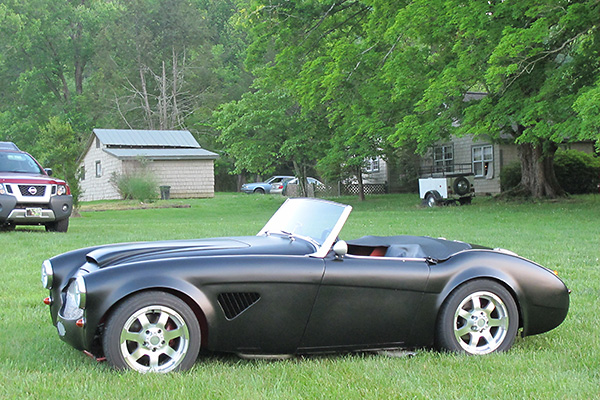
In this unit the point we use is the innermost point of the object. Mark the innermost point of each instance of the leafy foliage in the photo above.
(576, 171)
(135, 186)
(396, 72)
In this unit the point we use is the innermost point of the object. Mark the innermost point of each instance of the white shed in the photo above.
(173, 158)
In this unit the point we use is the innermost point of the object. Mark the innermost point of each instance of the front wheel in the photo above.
(479, 317)
(152, 332)
(58, 226)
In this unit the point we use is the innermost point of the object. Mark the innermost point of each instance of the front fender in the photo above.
(107, 288)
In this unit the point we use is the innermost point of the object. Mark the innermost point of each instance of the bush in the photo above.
(577, 172)
(510, 176)
(140, 187)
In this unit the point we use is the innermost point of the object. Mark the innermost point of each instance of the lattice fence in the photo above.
(369, 188)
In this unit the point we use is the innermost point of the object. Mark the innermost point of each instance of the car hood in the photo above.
(115, 254)
(255, 184)
(31, 179)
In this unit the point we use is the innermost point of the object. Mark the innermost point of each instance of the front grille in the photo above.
(233, 304)
(32, 190)
(23, 206)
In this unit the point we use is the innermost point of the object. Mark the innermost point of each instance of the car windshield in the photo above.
(18, 162)
(318, 221)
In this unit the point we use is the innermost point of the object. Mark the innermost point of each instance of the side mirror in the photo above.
(340, 248)
(48, 171)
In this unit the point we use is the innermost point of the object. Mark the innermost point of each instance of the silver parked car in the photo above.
(273, 185)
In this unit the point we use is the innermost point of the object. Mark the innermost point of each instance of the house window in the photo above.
(483, 161)
(97, 143)
(372, 165)
(82, 173)
(443, 158)
(98, 169)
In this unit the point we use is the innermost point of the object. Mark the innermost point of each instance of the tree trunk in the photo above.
(361, 187)
(537, 170)
(301, 175)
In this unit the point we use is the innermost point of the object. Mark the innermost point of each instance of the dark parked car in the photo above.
(28, 193)
(295, 288)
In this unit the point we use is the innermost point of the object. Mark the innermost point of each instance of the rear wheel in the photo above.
(152, 332)
(479, 317)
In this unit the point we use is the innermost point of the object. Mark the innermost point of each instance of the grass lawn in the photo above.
(561, 364)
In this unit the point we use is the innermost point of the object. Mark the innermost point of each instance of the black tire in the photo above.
(58, 226)
(259, 191)
(465, 200)
(7, 228)
(479, 317)
(430, 200)
(461, 186)
(152, 332)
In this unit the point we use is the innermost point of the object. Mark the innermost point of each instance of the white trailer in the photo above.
(446, 187)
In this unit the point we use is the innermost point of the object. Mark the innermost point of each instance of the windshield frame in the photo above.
(306, 210)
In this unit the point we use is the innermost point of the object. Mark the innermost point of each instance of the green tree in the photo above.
(59, 147)
(316, 50)
(45, 54)
(264, 129)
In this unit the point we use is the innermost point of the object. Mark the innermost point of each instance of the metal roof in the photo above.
(163, 154)
(146, 138)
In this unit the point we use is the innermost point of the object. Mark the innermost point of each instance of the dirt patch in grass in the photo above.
(117, 206)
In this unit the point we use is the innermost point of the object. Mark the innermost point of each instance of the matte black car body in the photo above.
(278, 293)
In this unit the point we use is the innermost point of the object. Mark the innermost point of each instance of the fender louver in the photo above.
(233, 304)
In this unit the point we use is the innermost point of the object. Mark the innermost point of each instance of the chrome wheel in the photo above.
(154, 339)
(478, 317)
(152, 332)
(481, 323)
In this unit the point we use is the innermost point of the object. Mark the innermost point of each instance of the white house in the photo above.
(172, 158)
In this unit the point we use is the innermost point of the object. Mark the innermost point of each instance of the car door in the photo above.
(365, 302)
(263, 303)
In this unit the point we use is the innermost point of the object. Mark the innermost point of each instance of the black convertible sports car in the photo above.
(295, 288)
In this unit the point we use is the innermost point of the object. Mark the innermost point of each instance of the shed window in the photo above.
(98, 169)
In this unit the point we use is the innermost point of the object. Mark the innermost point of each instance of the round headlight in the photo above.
(80, 292)
(47, 274)
(62, 189)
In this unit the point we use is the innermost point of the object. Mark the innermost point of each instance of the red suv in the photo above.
(28, 193)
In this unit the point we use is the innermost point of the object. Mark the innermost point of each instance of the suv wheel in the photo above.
(58, 226)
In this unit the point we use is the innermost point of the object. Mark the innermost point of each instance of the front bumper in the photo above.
(58, 208)
(69, 320)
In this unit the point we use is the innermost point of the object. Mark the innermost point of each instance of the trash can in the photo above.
(165, 192)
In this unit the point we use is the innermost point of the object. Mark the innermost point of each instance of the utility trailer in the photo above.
(452, 184)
